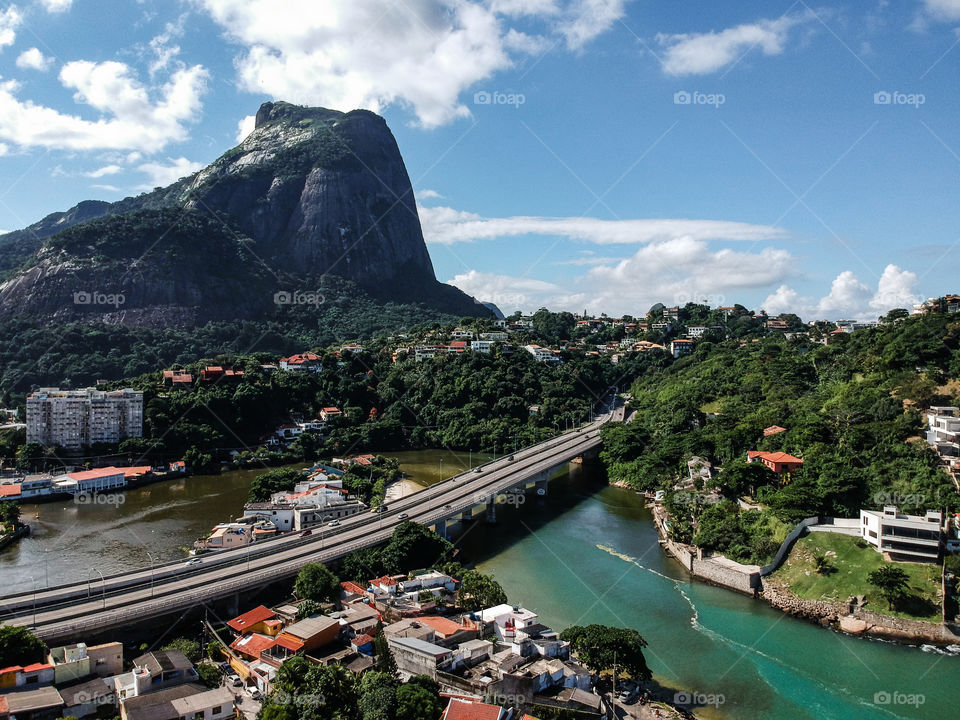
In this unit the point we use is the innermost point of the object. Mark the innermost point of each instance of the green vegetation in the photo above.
(853, 565)
(600, 646)
(19, 646)
(478, 591)
(747, 537)
(190, 648)
(316, 582)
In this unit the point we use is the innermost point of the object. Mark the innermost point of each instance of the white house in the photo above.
(542, 354)
(482, 346)
(86, 482)
(681, 347)
(904, 537)
(697, 331)
(943, 429)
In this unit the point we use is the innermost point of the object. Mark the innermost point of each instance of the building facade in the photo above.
(75, 418)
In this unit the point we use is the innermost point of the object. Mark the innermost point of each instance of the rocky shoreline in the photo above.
(852, 618)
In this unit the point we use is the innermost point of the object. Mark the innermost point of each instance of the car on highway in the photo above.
(510, 458)
(403, 516)
(305, 533)
(477, 469)
(335, 523)
(194, 561)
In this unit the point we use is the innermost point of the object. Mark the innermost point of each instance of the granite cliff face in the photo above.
(309, 197)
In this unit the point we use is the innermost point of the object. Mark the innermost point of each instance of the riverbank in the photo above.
(850, 618)
(12, 537)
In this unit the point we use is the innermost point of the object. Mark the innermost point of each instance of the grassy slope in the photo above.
(853, 564)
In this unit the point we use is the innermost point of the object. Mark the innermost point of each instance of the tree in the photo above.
(822, 564)
(600, 646)
(19, 646)
(892, 583)
(190, 648)
(419, 699)
(414, 546)
(10, 513)
(209, 675)
(307, 608)
(362, 565)
(378, 696)
(381, 649)
(478, 591)
(316, 582)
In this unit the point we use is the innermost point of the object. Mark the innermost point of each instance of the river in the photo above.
(586, 553)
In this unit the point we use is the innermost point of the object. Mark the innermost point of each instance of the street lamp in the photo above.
(46, 567)
(103, 585)
(34, 582)
(151, 571)
(441, 469)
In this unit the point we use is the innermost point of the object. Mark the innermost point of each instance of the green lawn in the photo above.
(851, 566)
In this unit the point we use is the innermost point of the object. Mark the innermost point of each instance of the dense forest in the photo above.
(851, 409)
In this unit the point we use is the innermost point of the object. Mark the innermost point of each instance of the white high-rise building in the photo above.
(74, 418)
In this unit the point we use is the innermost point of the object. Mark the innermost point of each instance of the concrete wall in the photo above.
(106, 660)
(787, 545)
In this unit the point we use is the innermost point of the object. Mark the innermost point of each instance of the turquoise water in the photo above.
(588, 553)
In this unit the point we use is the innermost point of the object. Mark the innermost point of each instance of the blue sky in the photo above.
(598, 154)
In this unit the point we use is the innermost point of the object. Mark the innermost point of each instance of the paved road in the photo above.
(69, 611)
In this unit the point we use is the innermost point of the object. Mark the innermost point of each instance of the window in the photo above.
(217, 710)
(873, 534)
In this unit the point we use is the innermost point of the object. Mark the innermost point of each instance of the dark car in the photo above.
(306, 532)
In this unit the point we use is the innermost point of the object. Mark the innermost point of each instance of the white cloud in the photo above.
(428, 194)
(56, 6)
(4, 149)
(445, 226)
(943, 9)
(127, 117)
(162, 47)
(703, 53)
(33, 59)
(161, 175)
(104, 171)
(10, 20)
(849, 298)
(245, 127)
(370, 54)
(674, 271)
(108, 188)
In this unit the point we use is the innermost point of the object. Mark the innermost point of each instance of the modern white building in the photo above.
(904, 537)
(75, 418)
(542, 354)
(482, 346)
(943, 429)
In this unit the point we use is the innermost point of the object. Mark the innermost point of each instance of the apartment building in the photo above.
(943, 429)
(75, 418)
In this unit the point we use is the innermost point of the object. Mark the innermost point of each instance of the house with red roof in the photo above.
(87, 482)
(251, 646)
(255, 621)
(330, 413)
(773, 430)
(464, 709)
(302, 362)
(780, 463)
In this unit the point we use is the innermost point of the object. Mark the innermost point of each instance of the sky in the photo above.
(598, 155)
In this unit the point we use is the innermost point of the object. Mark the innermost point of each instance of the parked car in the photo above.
(257, 695)
(235, 680)
(305, 533)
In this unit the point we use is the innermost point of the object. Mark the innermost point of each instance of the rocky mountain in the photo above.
(312, 197)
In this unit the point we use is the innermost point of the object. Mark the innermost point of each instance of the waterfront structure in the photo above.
(903, 537)
(75, 418)
(88, 482)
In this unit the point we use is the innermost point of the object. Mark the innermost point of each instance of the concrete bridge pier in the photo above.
(232, 603)
(492, 511)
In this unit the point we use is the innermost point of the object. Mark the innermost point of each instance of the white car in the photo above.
(194, 561)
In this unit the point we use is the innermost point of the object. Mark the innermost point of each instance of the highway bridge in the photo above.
(79, 609)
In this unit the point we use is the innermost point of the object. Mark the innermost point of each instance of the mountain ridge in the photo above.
(309, 195)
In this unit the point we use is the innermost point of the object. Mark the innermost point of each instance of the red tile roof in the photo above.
(96, 473)
(253, 644)
(135, 471)
(465, 710)
(361, 640)
(37, 667)
(301, 358)
(386, 581)
(352, 587)
(251, 617)
(773, 430)
(9, 490)
(290, 643)
(12, 668)
(441, 624)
